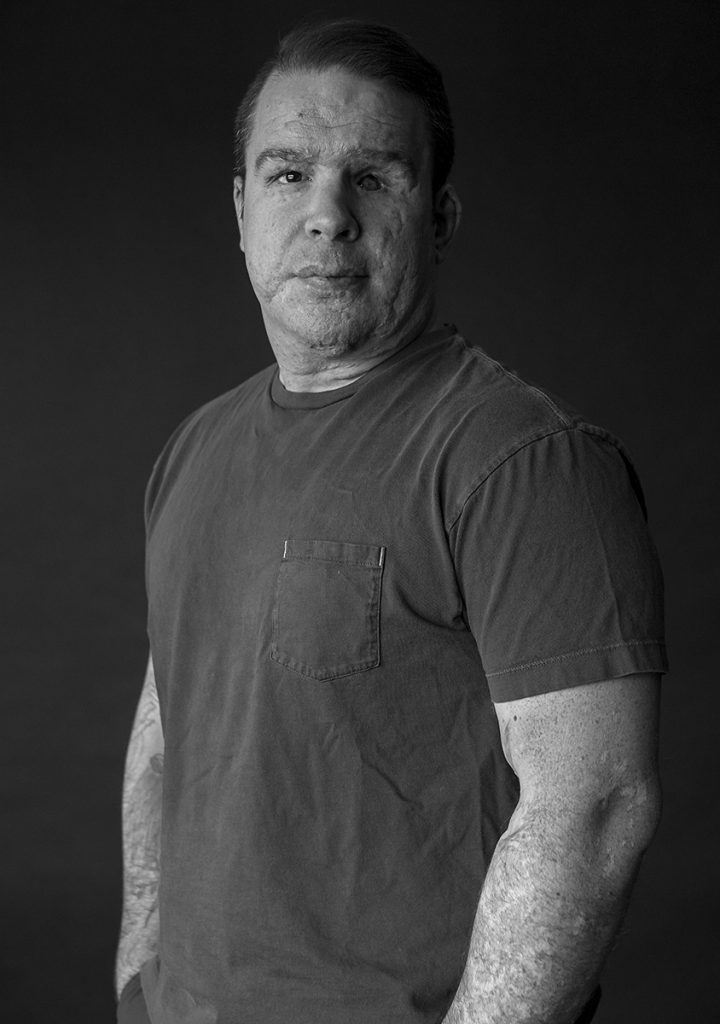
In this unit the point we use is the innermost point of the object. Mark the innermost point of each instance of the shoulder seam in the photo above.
(518, 447)
(568, 427)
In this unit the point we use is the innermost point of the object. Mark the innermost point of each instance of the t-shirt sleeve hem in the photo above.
(577, 668)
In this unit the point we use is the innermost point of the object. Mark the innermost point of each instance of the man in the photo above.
(405, 620)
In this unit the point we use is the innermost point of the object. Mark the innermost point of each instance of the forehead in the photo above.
(335, 109)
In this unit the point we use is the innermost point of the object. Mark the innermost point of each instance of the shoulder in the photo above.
(496, 424)
(218, 411)
(470, 393)
(516, 410)
(207, 424)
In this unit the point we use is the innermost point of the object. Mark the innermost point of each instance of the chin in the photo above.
(336, 343)
(333, 335)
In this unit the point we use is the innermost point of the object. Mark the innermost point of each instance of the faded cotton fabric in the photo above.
(131, 1008)
(340, 584)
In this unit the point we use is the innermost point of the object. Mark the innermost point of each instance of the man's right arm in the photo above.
(141, 819)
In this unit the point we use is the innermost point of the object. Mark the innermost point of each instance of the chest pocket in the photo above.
(326, 618)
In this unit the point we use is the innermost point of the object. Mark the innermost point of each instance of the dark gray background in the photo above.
(587, 162)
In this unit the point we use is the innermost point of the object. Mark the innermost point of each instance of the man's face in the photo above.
(336, 213)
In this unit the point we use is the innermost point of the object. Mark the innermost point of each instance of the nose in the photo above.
(330, 215)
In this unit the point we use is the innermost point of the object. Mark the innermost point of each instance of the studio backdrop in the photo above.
(587, 162)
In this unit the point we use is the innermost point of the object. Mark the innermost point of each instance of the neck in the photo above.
(330, 377)
(304, 369)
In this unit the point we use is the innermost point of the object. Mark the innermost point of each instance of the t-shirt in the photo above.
(340, 585)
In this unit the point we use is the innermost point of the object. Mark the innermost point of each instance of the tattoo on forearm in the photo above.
(546, 920)
(142, 818)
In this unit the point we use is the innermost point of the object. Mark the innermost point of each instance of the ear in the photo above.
(239, 200)
(447, 210)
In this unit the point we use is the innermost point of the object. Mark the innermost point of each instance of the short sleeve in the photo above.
(559, 576)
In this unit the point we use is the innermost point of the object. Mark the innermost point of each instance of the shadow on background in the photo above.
(587, 163)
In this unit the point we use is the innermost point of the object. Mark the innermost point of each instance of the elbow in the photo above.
(629, 817)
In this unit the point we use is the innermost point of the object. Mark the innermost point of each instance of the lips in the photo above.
(330, 272)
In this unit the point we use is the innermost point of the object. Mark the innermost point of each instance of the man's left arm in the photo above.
(560, 878)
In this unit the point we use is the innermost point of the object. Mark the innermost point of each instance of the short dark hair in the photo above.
(367, 49)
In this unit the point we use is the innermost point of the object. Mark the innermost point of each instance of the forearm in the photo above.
(141, 821)
(551, 905)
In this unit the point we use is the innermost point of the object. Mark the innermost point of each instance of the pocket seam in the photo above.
(335, 561)
(374, 554)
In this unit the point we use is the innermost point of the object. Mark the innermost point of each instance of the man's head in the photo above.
(367, 50)
(341, 216)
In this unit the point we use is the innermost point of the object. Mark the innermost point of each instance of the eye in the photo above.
(289, 177)
(370, 183)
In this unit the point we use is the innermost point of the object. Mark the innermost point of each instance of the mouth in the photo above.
(314, 272)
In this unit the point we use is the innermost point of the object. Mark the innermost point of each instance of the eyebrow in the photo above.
(379, 157)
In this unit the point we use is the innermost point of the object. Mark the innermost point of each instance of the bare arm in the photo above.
(141, 818)
(560, 878)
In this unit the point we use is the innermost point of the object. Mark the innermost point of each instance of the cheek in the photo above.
(405, 251)
(264, 228)
(264, 246)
